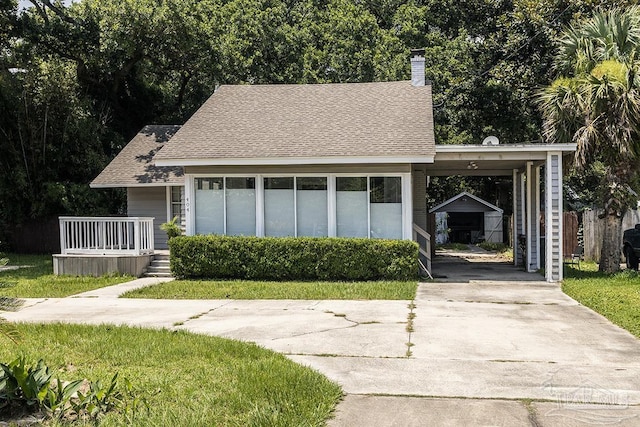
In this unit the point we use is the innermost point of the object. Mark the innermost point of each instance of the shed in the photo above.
(466, 218)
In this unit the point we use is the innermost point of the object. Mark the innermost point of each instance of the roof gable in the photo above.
(134, 166)
(465, 202)
(253, 124)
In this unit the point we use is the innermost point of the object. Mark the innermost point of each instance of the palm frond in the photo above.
(10, 303)
(9, 330)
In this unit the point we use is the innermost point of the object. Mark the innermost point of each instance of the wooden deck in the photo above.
(99, 265)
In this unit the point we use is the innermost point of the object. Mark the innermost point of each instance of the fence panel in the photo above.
(594, 231)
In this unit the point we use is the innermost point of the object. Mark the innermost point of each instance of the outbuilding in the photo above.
(466, 218)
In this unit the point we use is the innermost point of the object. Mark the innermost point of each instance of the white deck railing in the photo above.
(424, 242)
(106, 235)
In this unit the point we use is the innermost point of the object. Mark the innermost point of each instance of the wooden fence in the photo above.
(39, 237)
(594, 230)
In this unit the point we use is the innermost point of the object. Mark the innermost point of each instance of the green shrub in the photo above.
(288, 258)
(171, 228)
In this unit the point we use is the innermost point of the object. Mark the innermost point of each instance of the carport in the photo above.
(537, 173)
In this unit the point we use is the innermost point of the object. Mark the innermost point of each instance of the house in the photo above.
(346, 160)
(466, 218)
(152, 191)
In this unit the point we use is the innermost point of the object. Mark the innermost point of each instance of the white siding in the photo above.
(553, 212)
(150, 201)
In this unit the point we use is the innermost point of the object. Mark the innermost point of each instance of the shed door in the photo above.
(493, 227)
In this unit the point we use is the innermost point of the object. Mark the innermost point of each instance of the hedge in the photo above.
(289, 258)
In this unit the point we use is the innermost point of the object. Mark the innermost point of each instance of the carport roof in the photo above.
(491, 160)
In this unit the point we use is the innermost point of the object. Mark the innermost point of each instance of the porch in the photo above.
(95, 246)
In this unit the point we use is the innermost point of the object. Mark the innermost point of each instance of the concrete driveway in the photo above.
(470, 350)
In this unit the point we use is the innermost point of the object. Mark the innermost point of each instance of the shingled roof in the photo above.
(134, 166)
(296, 124)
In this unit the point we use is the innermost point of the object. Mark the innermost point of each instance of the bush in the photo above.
(288, 258)
(171, 228)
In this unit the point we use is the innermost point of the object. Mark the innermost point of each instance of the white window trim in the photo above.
(169, 202)
(406, 189)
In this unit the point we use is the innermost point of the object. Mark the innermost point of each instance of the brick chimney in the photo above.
(417, 67)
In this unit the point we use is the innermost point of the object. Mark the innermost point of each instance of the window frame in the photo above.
(406, 195)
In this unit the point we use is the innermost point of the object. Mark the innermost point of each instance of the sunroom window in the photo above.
(209, 205)
(351, 207)
(279, 212)
(386, 207)
(311, 206)
(241, 206)
(225, 206)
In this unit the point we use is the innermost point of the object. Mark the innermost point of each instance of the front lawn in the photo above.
(246, 289)
(36, 279)
(187, 379)
(616, 297)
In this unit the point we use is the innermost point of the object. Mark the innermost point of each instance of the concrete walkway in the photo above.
(467, 352)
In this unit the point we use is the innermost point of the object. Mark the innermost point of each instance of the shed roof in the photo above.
(134, 166)
(465, 202)
(301, 124)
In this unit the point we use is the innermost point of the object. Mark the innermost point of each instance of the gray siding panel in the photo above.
(150, 202)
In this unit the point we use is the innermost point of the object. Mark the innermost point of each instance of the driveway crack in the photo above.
(412, 315)
(199, 315)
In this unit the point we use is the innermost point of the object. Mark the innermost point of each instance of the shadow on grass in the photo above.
(34, 266)
(590, 271)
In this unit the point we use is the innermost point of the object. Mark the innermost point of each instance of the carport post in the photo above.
(518, 213)
(553, 216)
(533, 217)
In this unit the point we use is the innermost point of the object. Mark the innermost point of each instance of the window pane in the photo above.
(241, 206)
(241, 183)
(176, 194)
(386, 189)
(311, 183)
(351, 206)
(311, 199)
(351, 184)
(278, 183)
(177, 205)
(279, 218)
(386, 207)
(209, 206)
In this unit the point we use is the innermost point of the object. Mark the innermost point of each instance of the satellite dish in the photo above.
(491, 140)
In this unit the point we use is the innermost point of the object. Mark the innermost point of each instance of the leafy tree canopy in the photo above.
(77, 81)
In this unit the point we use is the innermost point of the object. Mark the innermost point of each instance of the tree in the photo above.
(596, 103)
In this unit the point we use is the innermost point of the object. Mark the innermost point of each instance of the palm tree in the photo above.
(8, 304)
(596, 103)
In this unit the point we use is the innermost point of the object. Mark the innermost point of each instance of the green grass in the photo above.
(494, 247)
(38, 280)
(617, 297)
(244, 289)
(188, 379)
(453, 246)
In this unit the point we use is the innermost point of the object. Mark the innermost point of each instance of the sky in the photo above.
(22, 4)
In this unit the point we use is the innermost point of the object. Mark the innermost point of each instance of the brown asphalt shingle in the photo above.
(393, 119)
(134, 164)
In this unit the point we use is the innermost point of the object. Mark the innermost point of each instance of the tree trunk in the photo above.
(611, 252)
